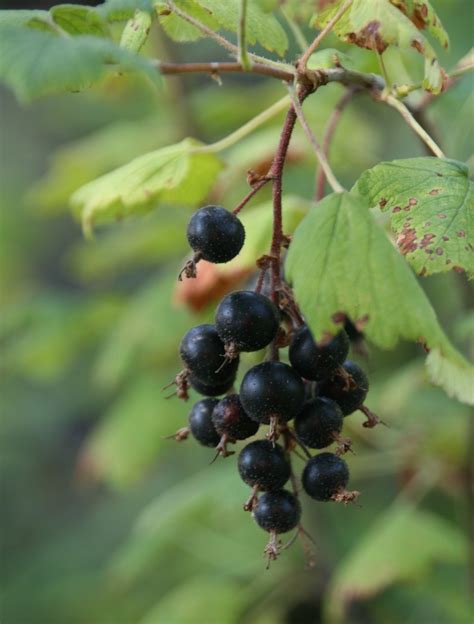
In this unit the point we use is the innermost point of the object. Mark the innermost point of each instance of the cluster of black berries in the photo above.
(315, 391)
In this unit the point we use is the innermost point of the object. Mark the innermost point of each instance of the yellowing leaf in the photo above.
(431, 204)
(340, 260)
(377, 24)
(178, 174)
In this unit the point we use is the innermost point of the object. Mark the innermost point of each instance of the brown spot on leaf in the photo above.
(440, 175)
(383, 202)
(369, 37)
(461, 233)
(439, 251)
(426, 240)
(338, 317)
(412, 201)
(418, 45)
(448, 261)
(396, 209)
(407, 239)
(458, 269)
(422, 341)
(445, 238)
(434, 191)
(441, 215)
(428, 251)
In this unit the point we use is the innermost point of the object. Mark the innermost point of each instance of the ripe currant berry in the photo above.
(247, 320)
(319, 422)
(200, 422)
(348, 394)
(215, 234)
(203, 352)
(209, 390)
(272, 389)
(230, 419)
(263, 464)
(324, 476)
(277, 511)
(317, 361)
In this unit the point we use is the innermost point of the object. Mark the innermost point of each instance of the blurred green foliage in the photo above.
(103, 520)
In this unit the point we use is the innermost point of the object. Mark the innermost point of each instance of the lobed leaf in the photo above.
(431, 204)
(377, 24)
(121, 10)
(340, 261)
(35, 63)
(177, 174)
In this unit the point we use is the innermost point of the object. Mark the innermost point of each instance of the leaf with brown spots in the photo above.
(431, 203)
(377, 24)
(340, 260)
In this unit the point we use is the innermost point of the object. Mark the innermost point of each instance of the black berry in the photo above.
(203, 352)
(277, 511)
(324, 476)
(209, 390)
(348, 392)
(247, 320)
(319, 422)
(216, 234)
(200, 422)
(317, 361)
(230, 419)
(272, 389)
(263, 464)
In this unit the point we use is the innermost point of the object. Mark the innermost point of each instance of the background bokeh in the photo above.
(105, 522)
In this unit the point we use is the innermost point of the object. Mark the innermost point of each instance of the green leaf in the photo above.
(80, 20)
(178, 174)
(400, 546)
(121, 10)
(262, 28)
(41, 20)
(340, 261)
(35, 63)
(179, 29)
(136, 31)
(329, 57)
(431, 204)
(377, 24)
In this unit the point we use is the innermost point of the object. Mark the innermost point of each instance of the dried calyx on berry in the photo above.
(325, 478)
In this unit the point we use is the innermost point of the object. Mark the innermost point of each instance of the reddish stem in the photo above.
(255, 188)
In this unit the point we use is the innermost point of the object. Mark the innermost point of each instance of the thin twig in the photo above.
(242, 37)
(214, 69)
(255, 188)
(304, 59)
(391, 100)
(222, 41)
(328, 136)
(326, 167)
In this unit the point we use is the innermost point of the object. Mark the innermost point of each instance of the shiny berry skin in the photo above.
(203, 352)
(349, 398)
(277, 511)
(263, 464)
(216, 234)
(317, 361)
(325, 475)
(200, 422)
(209, 390)
(272, 389)
(230, 419)
(318, 422)
(247, 320)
